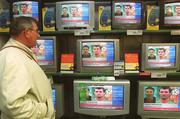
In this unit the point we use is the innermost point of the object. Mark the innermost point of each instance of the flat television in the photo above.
(97, 55)
(163, 57)
(45, 53)
(25, 8)
(58, 99)
(101, 98)
(72, 15)
(159, 99)
(170, 11)
(127, 15)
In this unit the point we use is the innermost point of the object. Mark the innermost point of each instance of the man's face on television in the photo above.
(151, 52)
(118, 9)
(178, 10)
(64, 10)
(149, 92)
(24, 8)
(127, 9)
(74, 11)
(161, 52)
(85, 50)
(164, 94)
(99, 94)
(97, 50)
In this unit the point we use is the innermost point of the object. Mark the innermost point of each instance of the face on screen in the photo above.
(161, 98)
(105, 97)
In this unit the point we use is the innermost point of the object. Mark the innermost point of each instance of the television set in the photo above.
(97, 55)
(72, 15)
(101, 98)
(162, 57)
(127, 15)
(58, 99)
(45, 52)
(170, 14)
(26, 8)
(159, 99)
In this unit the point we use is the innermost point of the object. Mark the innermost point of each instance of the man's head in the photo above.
(161, 52)
(169, 10)
(65, 9)
(127, 9)
(24, 8)
(85, 49)
(164, 93)
(97, 50)
(118, 9)
(25, 30)
(74, 11)
(149, 91)
(99, 93)
(151, 52)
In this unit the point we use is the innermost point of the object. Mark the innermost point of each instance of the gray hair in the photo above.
(21, 23)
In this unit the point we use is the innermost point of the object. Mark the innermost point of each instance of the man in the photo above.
(99, 93)
(162, 53)
(169, 11)
(151, 54)
(165, 93)
(149, 91)
(127, 9)
(25, 91)
(75, 11)
(24, 8)
(118, 10)
(15, 9)
(85, 52)
(97, 51)
(65, 12)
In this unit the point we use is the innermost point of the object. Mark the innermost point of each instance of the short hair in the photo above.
(24, 4)
(85, 46)
(162, 49)
(151, 49)
(165, 87)
(21, 23)
(118, 6)
(97, 46)
(150, 88)
(65, 8)
(104, 90)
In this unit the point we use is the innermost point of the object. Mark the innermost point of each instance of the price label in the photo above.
(134, 32)
(83, 32)
(175, 32)
(158, 75)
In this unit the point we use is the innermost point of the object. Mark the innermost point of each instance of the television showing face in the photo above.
(172, 13)
(45, 52)
(75, 15)
(101, 97)
(97, 54)
(127, 15)
(26, 8)
(162, 56)
(159, 98)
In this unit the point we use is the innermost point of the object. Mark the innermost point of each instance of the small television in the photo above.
(127, 15)
(25, 8)
(101, 98)
(170, 11)
(45, 52)
(74, 15)
(159, 99)
(163, 57)
(58, 99)
(97, 55)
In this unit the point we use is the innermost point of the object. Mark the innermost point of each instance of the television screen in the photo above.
(97, 55)
(159, 99)
(101, 97)
(26, 8)
(162, 56)
(45, 52)
(127, 15)
(172, 13)
(75, 15)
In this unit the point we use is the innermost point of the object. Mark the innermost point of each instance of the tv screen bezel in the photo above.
(102, 112)
(50, 68)
(116, 25)
(162, 15)
(155, 114)
(93, 69)
(144, 58)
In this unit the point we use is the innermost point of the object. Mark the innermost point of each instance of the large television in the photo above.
(127, 15)
(26, 8)
(170, 14)
(162, 57)
(72, 15)
(159, 99)
(101, 98)
(58, 99)
(97, 55)
(45, 53)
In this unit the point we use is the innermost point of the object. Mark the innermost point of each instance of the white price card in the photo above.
(158, 75)
(83, 32)
(134, 32)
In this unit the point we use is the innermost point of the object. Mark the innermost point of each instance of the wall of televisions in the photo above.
(149, 85)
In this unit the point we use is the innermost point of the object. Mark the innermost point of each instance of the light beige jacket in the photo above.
(25, 91)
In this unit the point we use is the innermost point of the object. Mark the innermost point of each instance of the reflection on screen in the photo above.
(44, 52)
(161, 56)
(102, 97)
(172, 13)
(97, 53)
(54, 97)
(127, 12)
(161, 98)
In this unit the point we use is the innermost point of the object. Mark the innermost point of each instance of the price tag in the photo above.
(175, 32)
(158, 75)
(134, 32)
(83, 32)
